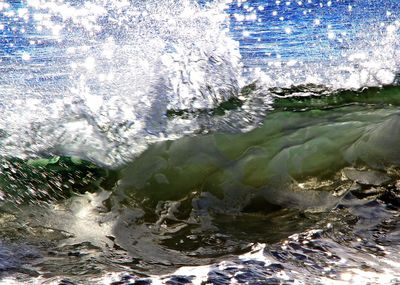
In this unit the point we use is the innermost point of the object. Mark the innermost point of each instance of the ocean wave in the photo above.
(104, 79)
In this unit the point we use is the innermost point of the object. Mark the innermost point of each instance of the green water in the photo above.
(201, 198)
(279, 160)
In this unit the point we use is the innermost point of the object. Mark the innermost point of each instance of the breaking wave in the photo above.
(103, 79)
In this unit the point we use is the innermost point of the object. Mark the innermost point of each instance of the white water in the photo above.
(101, 87)
(96, 78)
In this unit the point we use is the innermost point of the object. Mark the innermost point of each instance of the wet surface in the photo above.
(231, 142)
(131, 228)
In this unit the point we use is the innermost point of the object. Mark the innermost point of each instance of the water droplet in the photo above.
(25, 56)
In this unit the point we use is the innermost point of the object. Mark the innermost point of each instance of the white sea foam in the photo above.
(110, 73)
(370, 61)
(97, 78)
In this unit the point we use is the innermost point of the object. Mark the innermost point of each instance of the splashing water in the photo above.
(337, 44)
(97, 79)
(168, 99)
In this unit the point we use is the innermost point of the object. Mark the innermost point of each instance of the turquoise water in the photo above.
(182, 142)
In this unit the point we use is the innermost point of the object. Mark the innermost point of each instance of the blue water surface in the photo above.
(305, 30)
(267, 30)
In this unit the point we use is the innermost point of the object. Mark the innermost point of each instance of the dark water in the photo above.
(176, 142)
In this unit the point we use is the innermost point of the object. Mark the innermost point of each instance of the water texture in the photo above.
(194, 142)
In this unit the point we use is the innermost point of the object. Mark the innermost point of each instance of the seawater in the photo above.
(183, 142)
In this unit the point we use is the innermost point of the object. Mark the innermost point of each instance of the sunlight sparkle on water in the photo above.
(26, 56)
